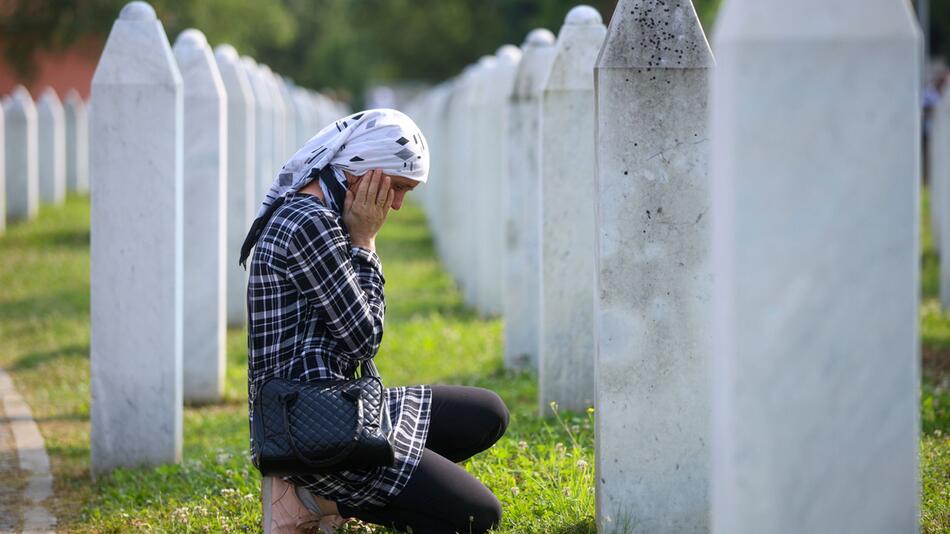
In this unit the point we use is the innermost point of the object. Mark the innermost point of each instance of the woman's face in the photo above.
(400, 184)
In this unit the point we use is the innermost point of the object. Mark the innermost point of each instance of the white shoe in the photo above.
(284, 513)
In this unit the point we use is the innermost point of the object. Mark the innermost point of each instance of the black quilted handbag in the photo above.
(321, 426)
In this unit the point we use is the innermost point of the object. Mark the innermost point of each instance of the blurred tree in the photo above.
(28, 25)
(340, 44)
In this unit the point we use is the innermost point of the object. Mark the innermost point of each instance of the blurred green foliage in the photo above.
(345, 44)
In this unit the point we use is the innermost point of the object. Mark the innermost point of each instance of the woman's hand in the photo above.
(365, 210)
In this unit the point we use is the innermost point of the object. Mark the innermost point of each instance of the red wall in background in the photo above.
(61, 70)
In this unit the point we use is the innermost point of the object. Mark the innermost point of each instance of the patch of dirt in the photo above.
(935, 364)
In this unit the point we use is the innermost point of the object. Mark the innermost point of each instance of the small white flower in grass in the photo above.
(228, 492)
(560, 448)
(223, 457)
(582, 464)
(515, 491)
(575, 429)
(181, 514)
(249, 497)
(522, 445)
(938, 432)
(566, 491)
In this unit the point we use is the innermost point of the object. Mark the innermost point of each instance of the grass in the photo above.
(541, 470)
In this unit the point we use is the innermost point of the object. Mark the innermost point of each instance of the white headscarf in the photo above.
(372, 139)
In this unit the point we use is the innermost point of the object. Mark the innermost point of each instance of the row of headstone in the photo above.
(184, 141)
(43, 152)
(703, 250)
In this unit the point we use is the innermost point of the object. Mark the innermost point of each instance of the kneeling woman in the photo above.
(315, 307)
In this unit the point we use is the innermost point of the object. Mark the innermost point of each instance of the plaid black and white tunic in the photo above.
(315, 308)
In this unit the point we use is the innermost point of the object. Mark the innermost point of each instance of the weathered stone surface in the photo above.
(51, 132)
(205, 218)
(566, 369)
(241, 173)
(21, 155)
(521, 308)
(77, 143)
(136, 246)
(815, 170)
(653, 287)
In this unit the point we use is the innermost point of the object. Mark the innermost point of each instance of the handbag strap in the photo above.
(291, 397)
(368, 368)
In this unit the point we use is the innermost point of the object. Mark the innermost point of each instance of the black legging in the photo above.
(440, 496)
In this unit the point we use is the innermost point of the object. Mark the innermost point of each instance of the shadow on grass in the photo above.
(77, 239)
(35, 359)
(70, 302)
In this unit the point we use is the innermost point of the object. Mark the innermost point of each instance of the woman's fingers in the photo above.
(361, 190)
(383, 191)
(373, 187)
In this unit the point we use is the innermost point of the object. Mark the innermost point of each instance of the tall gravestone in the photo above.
(264, 131)
(499, 92)
(480, 186)
(566, 367)
(279, 118)
(77, 143)
(205, 218)
(939, 173)
(304, 127)
(22, 173)
(290, 121)
(51, 132)
(241, 173)
(136, 246)
(653, 286)
(815, 225)
(521, 307)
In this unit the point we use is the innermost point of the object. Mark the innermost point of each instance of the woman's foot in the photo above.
(284, 513)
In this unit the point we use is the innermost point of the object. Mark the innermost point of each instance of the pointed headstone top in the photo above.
(21, 93)
(191, 38)
(226, 52)
(583, 15)
(658, 34)
(137, 51)
(137, 11)
(49, 97)
(577, 47)
(539, 37)
(508, 54)
(72, 96)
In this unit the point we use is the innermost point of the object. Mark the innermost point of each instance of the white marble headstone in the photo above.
(264, 131)
(205, 217)
(77, 142)
(653, 287)
(135, 136)
(521, 308)
(22, 173)
(566, 366)
(815, 230)
(241, 173)
(51, 131)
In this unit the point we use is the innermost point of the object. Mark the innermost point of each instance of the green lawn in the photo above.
(541, 471)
